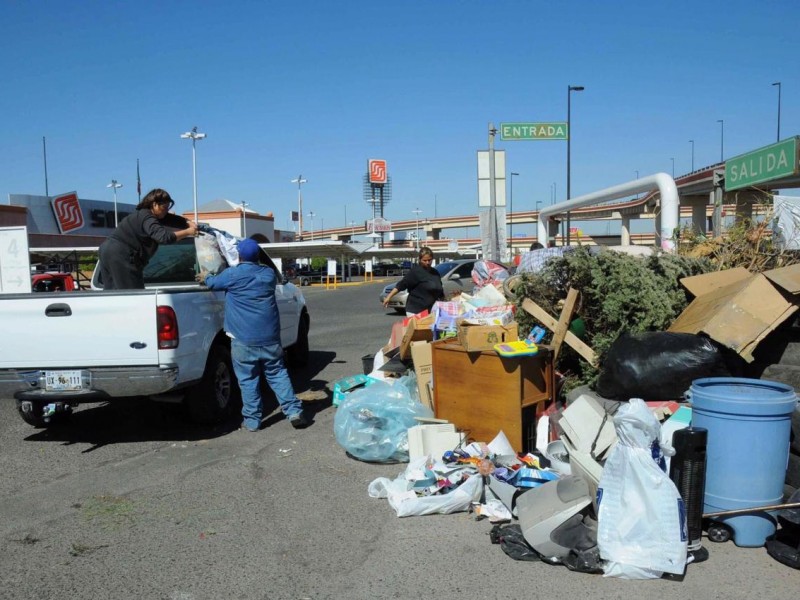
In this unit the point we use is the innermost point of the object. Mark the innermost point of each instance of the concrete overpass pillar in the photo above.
(625, 231)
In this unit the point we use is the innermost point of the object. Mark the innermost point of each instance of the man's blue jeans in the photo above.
(249, 363)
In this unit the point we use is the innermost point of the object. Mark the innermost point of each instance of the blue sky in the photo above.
(317, 88)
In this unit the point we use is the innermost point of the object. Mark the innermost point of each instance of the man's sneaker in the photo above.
(298, 421)
(247, 428)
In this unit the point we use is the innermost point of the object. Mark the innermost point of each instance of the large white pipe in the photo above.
(670, 205)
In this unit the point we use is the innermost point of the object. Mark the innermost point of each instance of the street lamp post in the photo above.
(299, 181)
(721, 139)
(311, 216)
(194, 136)
(244, 219)
(778, 83)
(511, 211)
(637, 177)
(673, 167)
(570, 89)
(115, 185)
(554, 198)
(416, 212)
(692, 143)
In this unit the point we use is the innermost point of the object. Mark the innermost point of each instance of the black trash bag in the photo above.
(785, 545)
(659, 365)
(513, 542)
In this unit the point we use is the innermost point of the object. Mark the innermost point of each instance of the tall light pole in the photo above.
(778, 83)
(692, 143)
(311, 216)
(570, 89)
(115, 185)
(244, 219)
(637, 177)
(721, 139)
(353, 226)
(299, 181)
(194, 136)
(416, 212)
(673, 167)
(511, 212)
(555, 197)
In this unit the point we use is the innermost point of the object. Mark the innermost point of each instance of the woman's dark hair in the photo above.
(424, 251)
(156, 196)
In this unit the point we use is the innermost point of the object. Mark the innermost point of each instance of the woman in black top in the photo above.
(423, 282)
(126, 252)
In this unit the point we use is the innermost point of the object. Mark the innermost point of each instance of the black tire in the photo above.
(298, 353)
(217, 395)
(31, 413)
(304, 281)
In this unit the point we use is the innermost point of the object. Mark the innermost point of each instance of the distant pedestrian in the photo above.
(423, 282)
(126, 252)
(253, 323)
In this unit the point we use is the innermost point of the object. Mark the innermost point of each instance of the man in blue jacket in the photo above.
(253, 323)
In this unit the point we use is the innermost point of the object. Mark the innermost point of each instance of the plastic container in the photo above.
(749, 424)
(368, 363)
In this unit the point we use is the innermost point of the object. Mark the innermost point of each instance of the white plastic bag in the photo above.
(406, 503)
(641, 531)
(209, 256)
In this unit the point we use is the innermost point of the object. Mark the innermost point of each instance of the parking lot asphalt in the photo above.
(128, 500)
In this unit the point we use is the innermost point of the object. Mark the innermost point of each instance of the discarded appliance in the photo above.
(549, 510)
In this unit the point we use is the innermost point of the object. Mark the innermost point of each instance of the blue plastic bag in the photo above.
(372, 423)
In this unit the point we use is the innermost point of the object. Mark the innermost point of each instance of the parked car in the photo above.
(53, 282)
(387, 269)
(456, 278)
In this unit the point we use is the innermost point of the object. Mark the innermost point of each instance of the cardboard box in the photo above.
(738, 309)
(417, 330)
(422, 358)
(476, 338)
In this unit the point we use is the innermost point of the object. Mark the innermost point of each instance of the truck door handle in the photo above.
(59, 309)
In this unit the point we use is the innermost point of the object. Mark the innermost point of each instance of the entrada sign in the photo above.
(533, 131)
(762, 165)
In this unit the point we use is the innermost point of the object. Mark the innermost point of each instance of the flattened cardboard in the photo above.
(421, 356)
(739, 311)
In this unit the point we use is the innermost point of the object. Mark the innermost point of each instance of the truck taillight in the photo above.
(167, 328)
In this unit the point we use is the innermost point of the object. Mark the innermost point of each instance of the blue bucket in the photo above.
(749, 422)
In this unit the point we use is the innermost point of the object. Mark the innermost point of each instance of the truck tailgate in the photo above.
(78, 330)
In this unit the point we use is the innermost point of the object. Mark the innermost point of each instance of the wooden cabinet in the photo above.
(483, 393)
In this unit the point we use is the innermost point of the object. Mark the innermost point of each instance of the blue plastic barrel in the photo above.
(749, 424)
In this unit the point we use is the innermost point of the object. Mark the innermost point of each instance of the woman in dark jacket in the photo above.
(126, 252)
(423, 282)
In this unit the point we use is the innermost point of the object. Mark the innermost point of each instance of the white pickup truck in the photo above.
(166, 342)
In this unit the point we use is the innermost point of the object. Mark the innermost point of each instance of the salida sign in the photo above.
(762, 165)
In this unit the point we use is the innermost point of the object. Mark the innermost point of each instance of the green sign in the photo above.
(765, 164)
(533, 131)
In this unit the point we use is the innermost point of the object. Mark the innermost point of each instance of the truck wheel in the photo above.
(31, 412)
(297, 353)
(217, 394)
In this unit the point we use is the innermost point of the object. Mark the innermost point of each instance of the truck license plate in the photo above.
(62, 381)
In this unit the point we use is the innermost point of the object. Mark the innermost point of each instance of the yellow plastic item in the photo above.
(520, 348)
